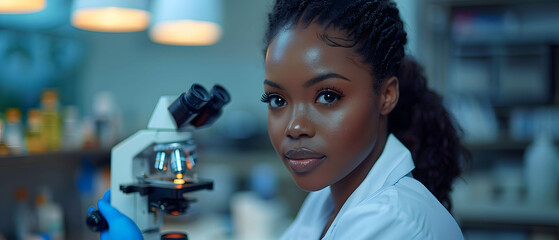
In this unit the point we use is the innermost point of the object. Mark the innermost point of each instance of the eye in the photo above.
(327, 97)
(274, 100)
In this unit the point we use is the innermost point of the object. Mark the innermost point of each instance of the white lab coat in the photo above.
(388, 204)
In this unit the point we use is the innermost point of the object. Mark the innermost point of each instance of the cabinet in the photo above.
(61, 173)
(496, 63)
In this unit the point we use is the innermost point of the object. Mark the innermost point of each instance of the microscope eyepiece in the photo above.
(212, 110)
(220, 97)
(196, 97)
(189, 104)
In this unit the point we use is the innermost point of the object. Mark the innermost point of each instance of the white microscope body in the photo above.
(152, 169)
(128, 164)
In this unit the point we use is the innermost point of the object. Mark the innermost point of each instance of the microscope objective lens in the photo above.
(160, 161)
(191, 160)
(178, 161)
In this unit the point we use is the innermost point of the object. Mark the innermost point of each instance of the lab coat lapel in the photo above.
(394, 163)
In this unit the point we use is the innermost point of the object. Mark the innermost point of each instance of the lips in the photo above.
(303, 160)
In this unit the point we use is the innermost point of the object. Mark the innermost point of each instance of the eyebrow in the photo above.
(323, 77)
(311, 81)
(273, 84)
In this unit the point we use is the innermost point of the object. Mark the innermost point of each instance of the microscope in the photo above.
(152, 170)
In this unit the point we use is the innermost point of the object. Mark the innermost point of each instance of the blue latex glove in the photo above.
(120, 226)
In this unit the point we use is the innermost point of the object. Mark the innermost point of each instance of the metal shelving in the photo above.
(512, 46)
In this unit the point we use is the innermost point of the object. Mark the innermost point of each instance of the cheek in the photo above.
(354, 129)
(276, 129)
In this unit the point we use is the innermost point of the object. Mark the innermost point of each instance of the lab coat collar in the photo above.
(394, 163)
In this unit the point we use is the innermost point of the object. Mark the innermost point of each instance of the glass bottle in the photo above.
(4, 150)
(33, 139)
(13, 133)
(51, 131)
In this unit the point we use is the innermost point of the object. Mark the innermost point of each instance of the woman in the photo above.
(354, 123)
(341, 98)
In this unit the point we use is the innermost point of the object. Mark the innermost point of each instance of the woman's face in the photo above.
(323, 117)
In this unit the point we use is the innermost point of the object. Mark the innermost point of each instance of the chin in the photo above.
(308, 183)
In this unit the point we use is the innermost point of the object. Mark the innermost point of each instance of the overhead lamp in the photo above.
(111, 15)
(186, 22)
(54, 14)
(21, 6)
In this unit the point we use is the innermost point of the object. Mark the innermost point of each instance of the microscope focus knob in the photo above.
(96, 222)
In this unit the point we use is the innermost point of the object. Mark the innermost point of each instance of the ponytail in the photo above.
(423, 125)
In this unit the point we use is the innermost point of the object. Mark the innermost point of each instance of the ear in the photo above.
(389, 94)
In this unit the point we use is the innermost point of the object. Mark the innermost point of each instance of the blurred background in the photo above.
(72, 86)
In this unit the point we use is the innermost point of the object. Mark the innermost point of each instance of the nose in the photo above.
(300, 124)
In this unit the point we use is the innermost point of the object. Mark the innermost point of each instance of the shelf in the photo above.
(466, 3)
(499, 145)
(495, 39)
(97, 157)
(501, 50)
(507, 216)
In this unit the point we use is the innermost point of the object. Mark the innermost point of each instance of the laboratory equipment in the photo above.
(153, 169)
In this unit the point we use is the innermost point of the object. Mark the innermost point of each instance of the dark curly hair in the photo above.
(375, 30)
